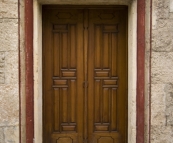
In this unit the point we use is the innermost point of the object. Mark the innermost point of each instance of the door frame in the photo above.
(33, 66)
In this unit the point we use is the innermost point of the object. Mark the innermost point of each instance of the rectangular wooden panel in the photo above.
(105, 48)
(72, 47)
(110, 86)
(69, 128)
(101, 128)
(110, 28)
(72, 101)
(101, 74)
(114, 54)
(98, 44)
(114, 109)
(56, 48)
(68, 74)
(60, 27)
(60, 82)
(109, 82)
(64, 49)
(56, 110)
(64, 111)
(97, 100)
(106, 104)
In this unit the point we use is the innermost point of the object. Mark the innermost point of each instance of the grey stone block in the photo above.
(8, 9)
(9, 105)
(8, 35)
(11, 134)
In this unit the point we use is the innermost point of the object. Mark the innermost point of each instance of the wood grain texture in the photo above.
(107, 76)
(63, 75)
(85, 75)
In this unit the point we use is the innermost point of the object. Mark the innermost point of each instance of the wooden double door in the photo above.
(84, 74)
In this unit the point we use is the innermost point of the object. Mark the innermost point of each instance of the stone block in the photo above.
(162, 104)
(11, 134)
(1, 135)
(169, 103)
(162, 37)
(2, 67)
(161, 8)
(158, 104)
(8, 9)
(11, 67)
(8, 34)
(9, 105)
(171, 5)
(161, 134)
(162, 67)
(160, 11)
(164, 25)
(8, 67)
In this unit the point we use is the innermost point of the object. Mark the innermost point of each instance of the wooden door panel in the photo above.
(64, 78)
(107, 90)
(84, 75)
(63, 74)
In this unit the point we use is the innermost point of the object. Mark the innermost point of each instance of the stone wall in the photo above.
(162, 72)
(9, 81)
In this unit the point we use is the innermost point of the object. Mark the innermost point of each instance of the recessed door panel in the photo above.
(107, 76)
(84, 75)
(62, 75)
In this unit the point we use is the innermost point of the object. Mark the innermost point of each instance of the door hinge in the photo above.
(85, 84)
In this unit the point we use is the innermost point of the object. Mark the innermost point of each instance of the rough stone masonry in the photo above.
(162, 72)
(9, 83)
